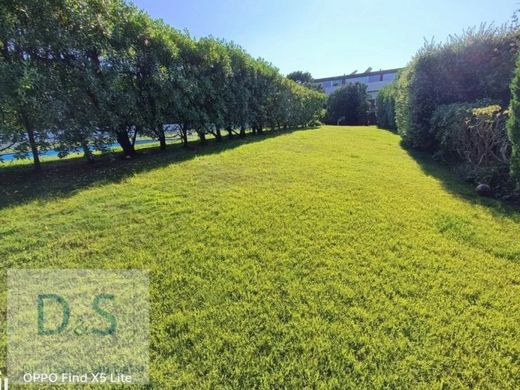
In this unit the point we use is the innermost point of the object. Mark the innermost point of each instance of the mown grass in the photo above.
(319, 258)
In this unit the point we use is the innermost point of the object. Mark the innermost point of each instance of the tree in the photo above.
(305, 79)
(262, 89)
(148, 55)
(238, 97)
(29, 103)
(300, 77)
(214, 73)
(184, 108)
(348, 105)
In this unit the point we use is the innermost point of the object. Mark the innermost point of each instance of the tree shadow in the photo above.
(464, 190)
(62, 178)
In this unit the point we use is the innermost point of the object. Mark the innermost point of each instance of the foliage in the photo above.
(79, 73)
(474, 134)
(305, 79)
(385, 108)
(322, 258)
(348, 105)
(300, 77)
(513, 125)
(475, 65)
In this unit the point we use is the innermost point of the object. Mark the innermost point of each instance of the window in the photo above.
(355, 80)
(375, 78)
(326, 84)
(389, 76)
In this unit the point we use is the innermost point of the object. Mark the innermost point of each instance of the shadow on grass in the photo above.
(460, 188)
(62, 178)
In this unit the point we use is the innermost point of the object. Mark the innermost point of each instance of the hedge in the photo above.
(80, 74)
(475, 65)
(513, 126)
(385, 108)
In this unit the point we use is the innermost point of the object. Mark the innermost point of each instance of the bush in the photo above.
(385, 108)
(513, 126)
(474, 135)
(348, 105)
(476, 65)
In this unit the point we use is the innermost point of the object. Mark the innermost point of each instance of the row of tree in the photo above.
(79, 74)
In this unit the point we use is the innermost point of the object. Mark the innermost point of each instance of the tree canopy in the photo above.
(304, 78)
(300, 77)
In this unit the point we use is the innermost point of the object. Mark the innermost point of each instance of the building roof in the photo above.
(355, 75)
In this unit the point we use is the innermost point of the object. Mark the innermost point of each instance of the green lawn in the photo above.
(323, 257)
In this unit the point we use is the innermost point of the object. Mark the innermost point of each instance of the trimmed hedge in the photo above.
(385, 108)
(77, 75)
(513, 126)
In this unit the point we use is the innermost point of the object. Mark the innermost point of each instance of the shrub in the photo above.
(348, 105)
(476, 65)
(513, 126)
(474, 135)
(385, 108)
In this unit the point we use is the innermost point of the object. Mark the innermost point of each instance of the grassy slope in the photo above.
(326, 256)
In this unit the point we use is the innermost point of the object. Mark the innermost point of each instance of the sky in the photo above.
(329, 37)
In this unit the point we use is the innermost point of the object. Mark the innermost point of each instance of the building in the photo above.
(374, 81)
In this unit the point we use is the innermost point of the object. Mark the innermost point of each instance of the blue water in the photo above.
(53, 153)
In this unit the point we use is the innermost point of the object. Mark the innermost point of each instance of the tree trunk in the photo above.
(202, 136)
(124, 141)
(184, 136)
(162, 139)
(87, 152)
(34, 149)
(230, 132)
(242, 131)
(218, 134)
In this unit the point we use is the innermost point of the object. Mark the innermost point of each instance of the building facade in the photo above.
(374, 80)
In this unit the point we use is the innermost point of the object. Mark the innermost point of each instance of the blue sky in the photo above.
(329, 37)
